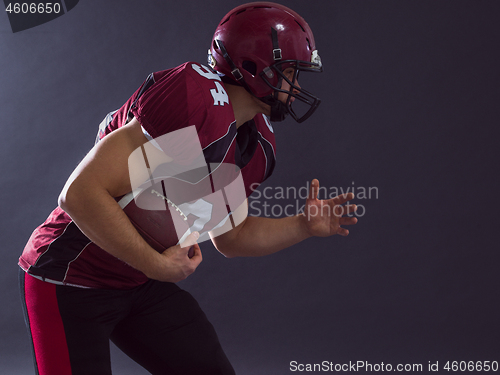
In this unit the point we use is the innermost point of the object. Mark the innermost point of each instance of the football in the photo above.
(157, 219)
(166, 210)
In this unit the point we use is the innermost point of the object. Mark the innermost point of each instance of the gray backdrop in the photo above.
(410, 107)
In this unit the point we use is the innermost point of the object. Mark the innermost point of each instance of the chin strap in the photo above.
(276, 47)
(279, 110)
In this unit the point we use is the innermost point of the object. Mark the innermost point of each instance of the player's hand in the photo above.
(324, 218)
(181, 260)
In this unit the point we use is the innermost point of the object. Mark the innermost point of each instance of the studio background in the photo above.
(410, 106)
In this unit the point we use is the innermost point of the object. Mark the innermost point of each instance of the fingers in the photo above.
(340, 211)
(343, 232)
(345, 220)
(350, 209)
(181, 260)
(341, 199)
(194, 253)
(313, 190)
(348, 220)
(335, 211)
(191, 247)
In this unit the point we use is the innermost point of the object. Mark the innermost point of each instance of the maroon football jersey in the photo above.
(170, 100)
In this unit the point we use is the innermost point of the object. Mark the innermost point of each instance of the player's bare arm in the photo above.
(89, 198)
(258, 236)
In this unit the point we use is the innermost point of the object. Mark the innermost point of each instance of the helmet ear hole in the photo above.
(250, 67)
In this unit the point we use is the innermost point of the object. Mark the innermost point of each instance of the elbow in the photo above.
(224, 249)
(68, 198)
(62, 200)
(227, 242)
(226, 252)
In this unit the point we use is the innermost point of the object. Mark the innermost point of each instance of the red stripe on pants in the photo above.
(47, 330)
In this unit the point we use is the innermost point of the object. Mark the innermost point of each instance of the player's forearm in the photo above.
(101, 219)
(261, 236)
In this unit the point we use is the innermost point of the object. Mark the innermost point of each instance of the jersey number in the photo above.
(219, 94)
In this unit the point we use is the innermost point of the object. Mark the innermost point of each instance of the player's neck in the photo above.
(245, 105)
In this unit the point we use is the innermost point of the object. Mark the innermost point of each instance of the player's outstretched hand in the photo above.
(326, 217)
(182, 260)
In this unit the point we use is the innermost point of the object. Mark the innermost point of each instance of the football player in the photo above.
(88, 276)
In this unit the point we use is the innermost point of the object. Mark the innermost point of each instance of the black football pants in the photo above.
(158, 325)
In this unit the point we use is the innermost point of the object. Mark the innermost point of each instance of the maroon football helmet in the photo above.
(252, 46)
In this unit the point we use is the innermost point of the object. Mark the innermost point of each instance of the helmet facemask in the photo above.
(296, 95)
